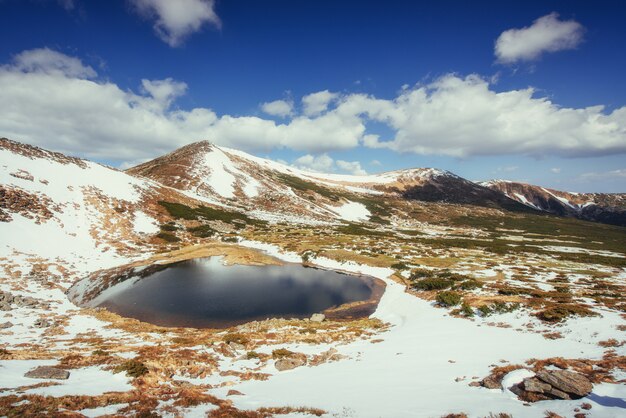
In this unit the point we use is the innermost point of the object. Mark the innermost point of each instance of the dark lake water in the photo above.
(204, 293)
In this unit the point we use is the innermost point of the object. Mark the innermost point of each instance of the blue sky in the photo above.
(468, 108)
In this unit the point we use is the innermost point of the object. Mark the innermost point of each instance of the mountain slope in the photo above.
(607, 208)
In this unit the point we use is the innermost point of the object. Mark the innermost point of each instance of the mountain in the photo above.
(609, 208)
(269, 190)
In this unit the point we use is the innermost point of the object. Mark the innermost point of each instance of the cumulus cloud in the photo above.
(58, 102)
(174, 21)
(55, 101)
(321, 163)
(281, 108)
(464, 116)
(325, 164)
(351, 167)
(45, 60)
(316, 103)
(619, 174)
(546, 34)
(555, 170)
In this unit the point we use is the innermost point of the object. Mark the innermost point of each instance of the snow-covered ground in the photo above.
(424, 365)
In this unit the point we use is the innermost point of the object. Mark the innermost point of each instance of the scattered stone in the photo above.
(586, 406)
(318, 317)
(233, 392)
(569, 382)
(236, 346)
(6, 325)
(289, 363)
(47, 372)
(4, 306)
(41, 323)
(491, 382)
(474, 384)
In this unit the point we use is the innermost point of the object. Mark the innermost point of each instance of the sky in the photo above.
(528, 91)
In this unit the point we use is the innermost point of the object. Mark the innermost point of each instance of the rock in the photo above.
(47, 372)
(318, 317)
(232, 392)
(571, 383)
(4, 306)
(475, 384)
(236, 346)
(41, 323)
(532, 384)
(491, 382)
(586, 406)
(6, 325)
(289, 363)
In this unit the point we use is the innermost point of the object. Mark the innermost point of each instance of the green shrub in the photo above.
(99, 352)
(470, 284)
(165, 236)
(252, 355)
(467, 310)
(230, 239)
(202, 231)
(169, 227)
(133, 368)
(400, 266)
(449, 298)
(559, 313)
(236, 338)
(433, 283)
(484, 310)
(282, 353)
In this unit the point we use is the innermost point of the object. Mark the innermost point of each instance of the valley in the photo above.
(484, 285)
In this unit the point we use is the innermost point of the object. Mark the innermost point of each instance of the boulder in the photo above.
(571, 383)
(5, 325)
(318, 317)
(532, 384)
(5, 306)
(289, 363)
(47, 372)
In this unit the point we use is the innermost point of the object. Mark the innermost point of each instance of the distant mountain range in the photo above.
(41, 185)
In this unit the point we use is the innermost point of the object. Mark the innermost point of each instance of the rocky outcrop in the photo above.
(289, 363)
(553, 384)
(48, 372)
(7, 300)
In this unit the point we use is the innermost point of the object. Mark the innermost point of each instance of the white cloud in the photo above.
(351, 167)
(546, 34)
(463, 117)
(44, 60)
(325, 164)
(175, 20)
(606, 175)
(321, 163)
(555, 170)
(55, 101)
(281, 108)
(317, 103)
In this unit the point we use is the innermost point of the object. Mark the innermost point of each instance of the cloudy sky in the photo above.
(522, 90)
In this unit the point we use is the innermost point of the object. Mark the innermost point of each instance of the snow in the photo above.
(145, 224)
(417, 366)
(91, 381)
(220, 177)
(351, 211)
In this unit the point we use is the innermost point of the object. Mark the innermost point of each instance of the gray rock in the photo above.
(569, 382)
(532, 384)
(289, 363)
(42, 323)
(318, 317)
(6, 325)
(47, 372)
(5, 306)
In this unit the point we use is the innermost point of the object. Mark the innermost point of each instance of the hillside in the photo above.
(607, 208)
